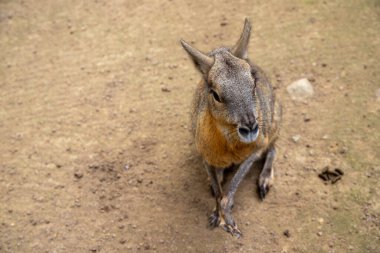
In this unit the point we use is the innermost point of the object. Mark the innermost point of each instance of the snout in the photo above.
(248, 133)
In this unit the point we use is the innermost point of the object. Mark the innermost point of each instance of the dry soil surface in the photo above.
(96, 153)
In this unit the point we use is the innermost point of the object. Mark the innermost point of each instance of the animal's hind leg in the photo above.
(266, 175)
(214, 177)
(220, 177)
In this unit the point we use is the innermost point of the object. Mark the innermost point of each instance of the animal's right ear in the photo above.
(240, 50)
(202, 61)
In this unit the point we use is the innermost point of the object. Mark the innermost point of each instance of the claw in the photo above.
(214, 220)
(263, 190)
(228, 224)
(233, 230)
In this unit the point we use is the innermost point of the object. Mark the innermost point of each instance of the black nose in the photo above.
(246, 130)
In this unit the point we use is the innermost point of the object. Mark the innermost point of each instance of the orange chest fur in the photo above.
(214, 147)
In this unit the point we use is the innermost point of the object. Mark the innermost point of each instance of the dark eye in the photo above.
(215, 95)
(254, 77)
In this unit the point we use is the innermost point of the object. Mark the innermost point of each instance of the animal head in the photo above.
(230, 86)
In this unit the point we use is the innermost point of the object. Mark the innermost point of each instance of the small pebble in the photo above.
(306, 119)
(325, 137)
(78, 175)
(287, 233)
(165, 89)
(319, 233)
(296, 138)
(343, 150)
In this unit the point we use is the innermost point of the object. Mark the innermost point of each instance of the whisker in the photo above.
(231, 133)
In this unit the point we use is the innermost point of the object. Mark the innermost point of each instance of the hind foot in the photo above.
(231, 228)
(217, 219)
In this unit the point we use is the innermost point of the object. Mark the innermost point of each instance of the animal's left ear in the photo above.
(240, 50)
(202, 61)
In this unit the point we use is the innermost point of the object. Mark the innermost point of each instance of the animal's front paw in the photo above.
(265, 182)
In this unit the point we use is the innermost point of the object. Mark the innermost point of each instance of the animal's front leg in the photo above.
(228, 200)
(266, 175)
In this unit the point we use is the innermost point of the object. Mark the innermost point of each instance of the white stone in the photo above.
(300, 90)
(296, 138)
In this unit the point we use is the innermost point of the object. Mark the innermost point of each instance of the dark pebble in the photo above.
(335, 180)
(164, 89)
(287, 233)
(323, 176)
(78, 175)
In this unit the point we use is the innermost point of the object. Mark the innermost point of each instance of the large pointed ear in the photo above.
(202, 61)
(240, 50)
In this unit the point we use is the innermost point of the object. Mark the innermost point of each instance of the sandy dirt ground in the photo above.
(96, 153)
